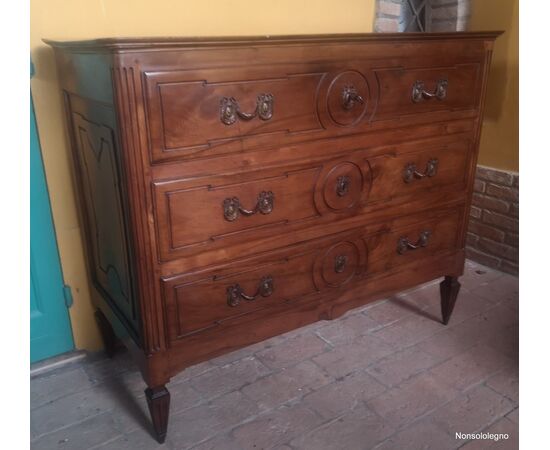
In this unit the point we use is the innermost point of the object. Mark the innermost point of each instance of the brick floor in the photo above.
(385, 376)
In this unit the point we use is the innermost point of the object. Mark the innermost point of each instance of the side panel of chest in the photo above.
(97, 158)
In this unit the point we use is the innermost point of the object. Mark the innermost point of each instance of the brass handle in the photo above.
(340, 263)
(230, 110)
(350, 97)
(410, 172)
(342, 185)
(232, 206)
(419, 92)
(403, 244)
(235, 292)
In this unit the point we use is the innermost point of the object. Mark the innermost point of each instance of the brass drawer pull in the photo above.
(403, 245)
(419, 92)
(232, 206)
(340, 263)
(230, 110)
(235, 292)
(410, 172)
(350, 97)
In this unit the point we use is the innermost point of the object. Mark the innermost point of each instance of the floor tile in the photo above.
(82, 435)
(476, 274)
(71, 409)
(274, 390)
(472, 412)
(346, 330)
(52, 386)
(504, 435)
(138, 440)
(233, 376)
(358, 355)
(409, 331)
(204, 421)
(471, 367)
(276, 427)
(401, 366)
(503, 289)
(506, 382)
(360, 429)
(343, 394)
(412, 399)
(422, 435)
(290, 351)
(222, 441)
(388, 311)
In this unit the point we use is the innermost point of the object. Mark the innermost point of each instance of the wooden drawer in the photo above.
(189, 111)
(411, 169)
(300, 273)
(208, 212)
(204, 113)
(204, 300)
(418, 239)
(405, 91)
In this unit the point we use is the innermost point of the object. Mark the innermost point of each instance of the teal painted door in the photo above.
(50, 324)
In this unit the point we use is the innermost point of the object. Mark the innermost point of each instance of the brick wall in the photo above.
(494, 220)
(438, 15)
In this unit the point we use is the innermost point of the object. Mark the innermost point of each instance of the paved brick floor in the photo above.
(388, 376)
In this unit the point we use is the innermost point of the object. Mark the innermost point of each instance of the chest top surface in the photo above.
(117, 44)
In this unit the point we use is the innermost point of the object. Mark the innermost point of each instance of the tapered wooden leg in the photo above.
(449, 288)
(107, 333)
(158, 400)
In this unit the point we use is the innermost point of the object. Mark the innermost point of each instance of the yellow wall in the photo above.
(500, 136)
(82, 19)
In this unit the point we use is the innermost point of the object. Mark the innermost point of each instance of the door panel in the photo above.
(50, 325)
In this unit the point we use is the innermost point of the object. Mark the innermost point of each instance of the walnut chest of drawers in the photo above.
(233, 189)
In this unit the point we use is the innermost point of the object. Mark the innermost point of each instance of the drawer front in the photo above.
(193, 216)
(421, 90)
(207, 113)
(413, 169)
(299, 274)
(191, 111)
(210, 212)
(198, 302)
(216, 211)
(407, 243)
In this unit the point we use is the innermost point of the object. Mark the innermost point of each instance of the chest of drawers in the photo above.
(233, 189)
